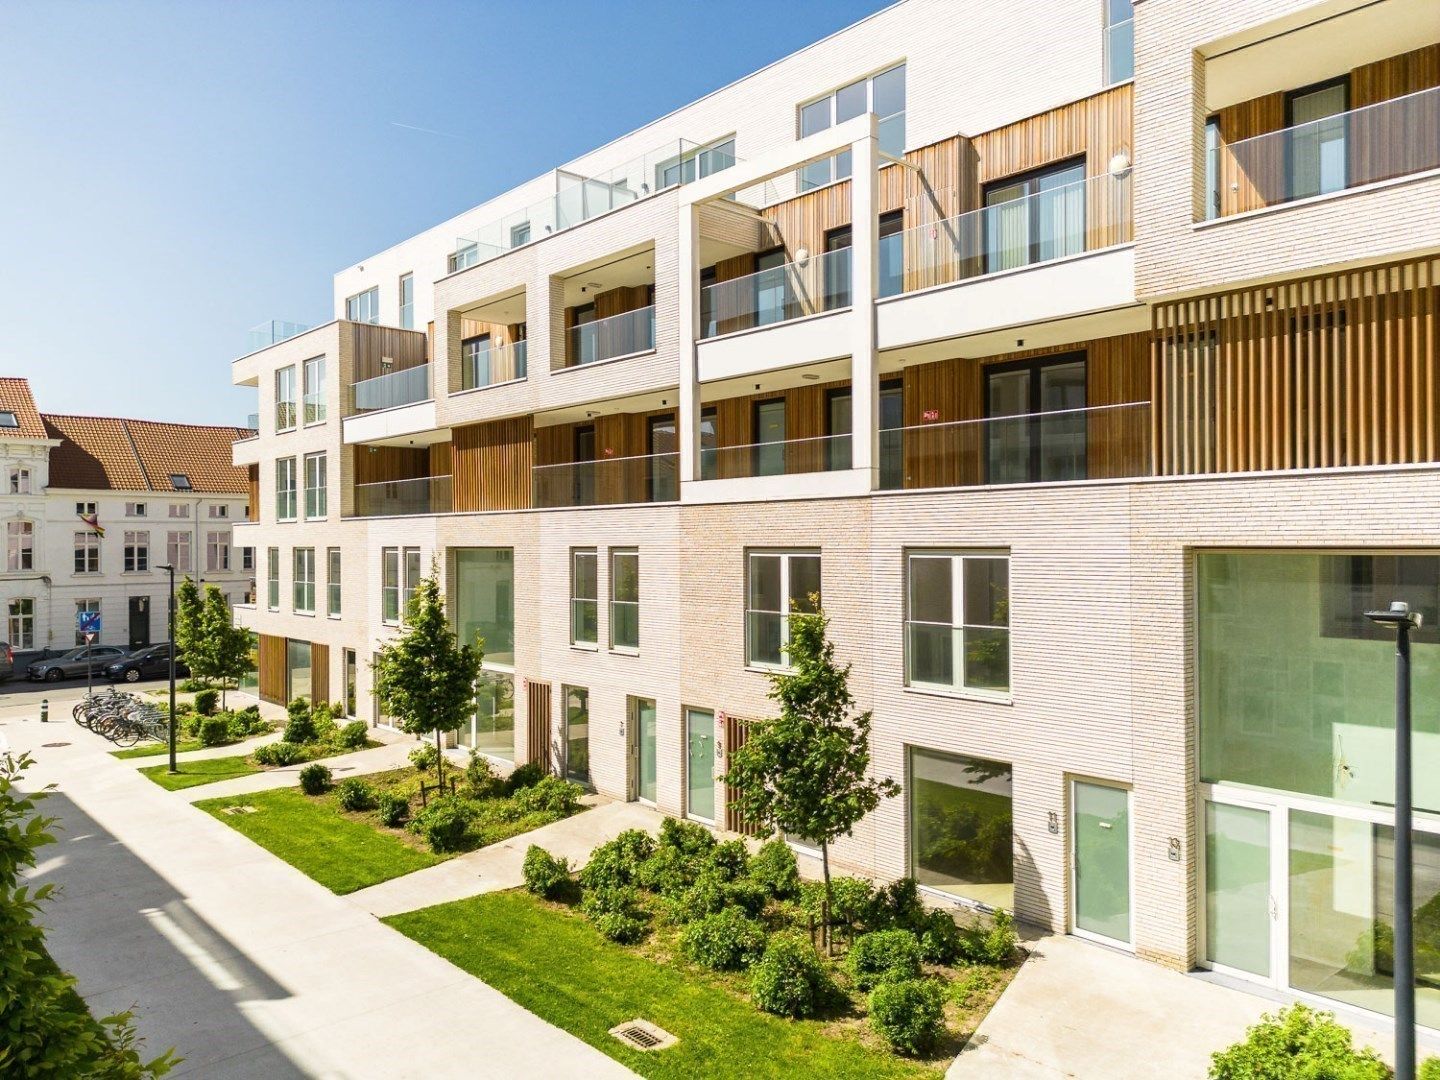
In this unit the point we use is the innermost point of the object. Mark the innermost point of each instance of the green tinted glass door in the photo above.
(645, 721)
(1237, 887)
(700, 770)
(1102, 860)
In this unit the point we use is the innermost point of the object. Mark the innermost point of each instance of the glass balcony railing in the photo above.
(393, 390)
(270, 333)
(252, 428)
(1084, 216)
(1363, 146)
(314, 408)
(607, 481)
(776, 294)
(489, 367)
(828, 453)
(580, 198)
(394, 498)
(604, 339)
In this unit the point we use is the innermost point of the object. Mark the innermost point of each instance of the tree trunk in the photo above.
(829, 899)
(439, 763)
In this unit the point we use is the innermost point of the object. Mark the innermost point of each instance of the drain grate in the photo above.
(643, 1035)
(52, 745)
(239, 810)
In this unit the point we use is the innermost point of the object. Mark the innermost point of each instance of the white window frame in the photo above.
(958, 626)
(20, 481)
(391, 611)
(364, 306)
(179, 510)
(803, 183)
(332, 583)
(136, 509)
(19, 545)
(82, 508)
(785, 556)
(285, 501)
(316, 492)
(285, 411)
(621, 553)
(137, 551)
(272, 578)
(87, 552)
(302, 589)
(218, 510)
(577, 553)
(217, 550)
(314, 373)
(177, 549)
(414, 570)
(20, 622)
(407, 305)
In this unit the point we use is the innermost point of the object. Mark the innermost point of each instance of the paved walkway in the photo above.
(499, 865)
(376, 759)
(246, 966)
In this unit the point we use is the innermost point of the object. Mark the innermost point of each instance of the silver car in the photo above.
(75, 663)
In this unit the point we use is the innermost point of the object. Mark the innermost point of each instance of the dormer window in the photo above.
(179, 481)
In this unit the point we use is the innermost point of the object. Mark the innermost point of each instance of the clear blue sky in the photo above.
(174, 173)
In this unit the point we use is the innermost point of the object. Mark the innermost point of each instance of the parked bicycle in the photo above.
(121, 717)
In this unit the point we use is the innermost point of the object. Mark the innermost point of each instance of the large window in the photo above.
(695, 164)
(304, 583)
(961, 831)
(957, 627)
(1035, 217)
(625, 599)
(413, 572)
(19, 481)
(217, 549)
(285, 489)
(315, 390)
(316, 498)
(390, 586)
(882, 94)
(407, 301)
(137, 552)
(778, 584)
(1119, 40)
(272, 579)
(364, 307)
(584, 597)
(87, 553)
(492, 729)
(576, 701)
(299, 672)
(485, 601)
(177, 550)
(285, 398)
(20, 623)
(1036, 426)
(19, 545)
(332, 582)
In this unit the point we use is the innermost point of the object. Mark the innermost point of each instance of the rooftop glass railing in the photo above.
(1362, 146)
(482, 365)
(604, 339)
(777, 294)
(393, 390)
(607, 481)
(580, 198)
(272, 332)
(395, 498)
(1087, 215)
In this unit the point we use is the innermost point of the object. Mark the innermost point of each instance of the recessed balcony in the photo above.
(607, 481)
(392, 390)
(625, 334)
(777, 292)
(401, 498)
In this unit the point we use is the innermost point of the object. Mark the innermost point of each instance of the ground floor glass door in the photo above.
(1239, 910)
(1101, 819)
(577, 734)
(642, 725)
(700, 764)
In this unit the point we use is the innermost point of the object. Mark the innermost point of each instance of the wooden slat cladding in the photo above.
(319, 673)
(941, 451)
(492, 463)
(375, 464)
(1318, 372)
(369, 346)
(273, 674)
(623, 471)
(805, 419)
(252, 510)
(1379, 144)
(1097, 127)
(737, 730)
(537, 696)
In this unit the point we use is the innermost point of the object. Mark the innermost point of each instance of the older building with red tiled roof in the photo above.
(94, 505)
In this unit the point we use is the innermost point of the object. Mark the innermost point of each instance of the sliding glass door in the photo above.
(1036, 426)
(1035, 217)
(1317, 141)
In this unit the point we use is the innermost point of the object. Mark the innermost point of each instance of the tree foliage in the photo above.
(426, 677)
(45, 1030)
(806, 771)
(189, 633)
(225, 647)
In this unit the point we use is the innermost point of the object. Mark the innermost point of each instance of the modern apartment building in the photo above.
(93, 504)
(1083, 365)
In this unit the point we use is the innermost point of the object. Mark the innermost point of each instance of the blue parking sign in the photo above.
(88, 622)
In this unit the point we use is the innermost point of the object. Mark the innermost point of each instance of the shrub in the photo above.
(279, 753)
(206, 701)
(745, 894)
(705, 897)
(322, 712)
(616, 862)
(727, 941)
(445, 823)
(245, 723)
(1293, 1042)
(394, 809)
(355, 794)
(853, 898)
(480, 778)
(301, 727)
(315, 779)
(994, 944)
(545, 875)
(425, 757)
(883, 956)
(731, 859)
(1429, 1069)
(669, 872)
(621, 929)
(908, 1013)
(894, 905)
(940, 941)
(324, 721)
(550, 796)
(789, 979)
(192, 685)
(213, 730)
(353, 736)
(616, 913)
(524, 776)
(686, 837)
(773, 868)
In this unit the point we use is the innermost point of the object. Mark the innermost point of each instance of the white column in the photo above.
(687, 320)
(864, 285)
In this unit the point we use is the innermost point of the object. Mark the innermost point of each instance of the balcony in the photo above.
(779, 457)
(271, 333)
(393, 390)
(484, 365)
(1368, 145)
(580, 198)
(777, 294)
(606, 481)
(625, 334)
(398, 498)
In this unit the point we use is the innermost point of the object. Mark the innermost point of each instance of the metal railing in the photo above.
(491, 366)
(1087, 215)
(393, 498)
(272, 332)
(580, 198)
(607, 481)
(604, 339)
(827, 453)
(776, 294)
(1363, 146)
(392, 390)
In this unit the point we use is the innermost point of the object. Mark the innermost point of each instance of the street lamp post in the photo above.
(1400, 618)
(169, 568)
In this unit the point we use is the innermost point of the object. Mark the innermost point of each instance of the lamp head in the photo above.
(1397, 614)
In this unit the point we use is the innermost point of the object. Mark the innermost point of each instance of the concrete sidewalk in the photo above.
(376, 759)
(242, 963)
(499, 865)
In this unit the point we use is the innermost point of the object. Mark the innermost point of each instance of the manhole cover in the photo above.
(52, 745)
(643, 1035)
(238, 810)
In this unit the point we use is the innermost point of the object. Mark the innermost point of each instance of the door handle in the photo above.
(1104, 824)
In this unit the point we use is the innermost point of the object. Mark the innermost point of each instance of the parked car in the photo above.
(7, 661)
(151, 662)
(75, 663)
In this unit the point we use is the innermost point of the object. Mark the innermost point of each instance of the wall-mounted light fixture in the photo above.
(1053, 822)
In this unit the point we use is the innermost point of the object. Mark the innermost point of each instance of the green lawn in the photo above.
(193, 773)
(557, 966)
(342, 852)
(155, 749)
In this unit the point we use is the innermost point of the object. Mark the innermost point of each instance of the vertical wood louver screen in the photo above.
(537, 696)
(1319, 372)
(319, 673)
(272, 668)
(737, 730)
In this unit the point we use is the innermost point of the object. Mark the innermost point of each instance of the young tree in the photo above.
(426, 677)
(189, 635)
(805, 771)
(225, 649)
